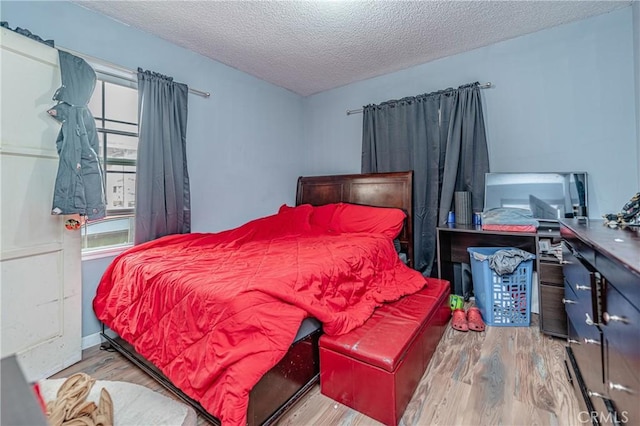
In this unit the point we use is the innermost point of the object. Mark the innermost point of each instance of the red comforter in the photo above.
(216, 311)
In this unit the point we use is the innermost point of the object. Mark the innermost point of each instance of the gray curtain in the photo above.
(441, 137)
(163, 204)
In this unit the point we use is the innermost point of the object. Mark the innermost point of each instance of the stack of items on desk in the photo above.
(509, 219)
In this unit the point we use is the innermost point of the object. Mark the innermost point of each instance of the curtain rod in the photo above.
(127, 74)
(358, 111)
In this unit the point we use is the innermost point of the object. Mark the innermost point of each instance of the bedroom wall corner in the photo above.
(561, 96)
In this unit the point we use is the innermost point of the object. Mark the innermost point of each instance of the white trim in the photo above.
(34, 250)
(91, 340)
(95, 338)
(105, 252)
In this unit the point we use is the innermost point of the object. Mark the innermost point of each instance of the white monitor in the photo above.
(549, 195)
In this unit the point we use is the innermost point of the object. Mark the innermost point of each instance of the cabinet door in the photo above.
(551, 273)
(553, 318)
(621, 331)
(40, 260)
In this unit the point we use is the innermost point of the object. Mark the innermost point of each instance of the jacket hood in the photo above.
(78, 80)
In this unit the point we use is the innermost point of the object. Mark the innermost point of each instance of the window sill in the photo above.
(100, 253)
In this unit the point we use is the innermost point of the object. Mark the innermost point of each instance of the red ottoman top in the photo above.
(383, 339)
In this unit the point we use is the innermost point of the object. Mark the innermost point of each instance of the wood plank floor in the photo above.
(504, 376)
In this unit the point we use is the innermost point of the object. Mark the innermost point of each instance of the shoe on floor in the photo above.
(459, 321)
(474, 319)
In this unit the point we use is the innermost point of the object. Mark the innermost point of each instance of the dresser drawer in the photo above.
(621, 333)
(579, 307)
(571, 239)
(593, 409)
(621, 325)
(551, 273)
(623, 387)
(578, 274)
(553, 317)
(581, 278)
(587, 350)
(574, 377)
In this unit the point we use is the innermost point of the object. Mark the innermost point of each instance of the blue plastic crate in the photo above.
(503, 300)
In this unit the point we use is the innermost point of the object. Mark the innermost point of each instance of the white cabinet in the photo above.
(40, 292)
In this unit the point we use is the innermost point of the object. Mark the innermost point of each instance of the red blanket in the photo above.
(216, 311)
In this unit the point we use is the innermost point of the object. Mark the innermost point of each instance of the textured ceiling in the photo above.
(312, 46)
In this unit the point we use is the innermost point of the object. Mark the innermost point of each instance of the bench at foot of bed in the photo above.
(375, 368)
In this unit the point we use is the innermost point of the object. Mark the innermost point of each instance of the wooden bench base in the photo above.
(376, 368)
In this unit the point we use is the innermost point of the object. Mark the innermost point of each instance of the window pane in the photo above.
(132, 128)
(95, 103)
(122, 147)
(108, 232)
(100, 146)
(110, 125)
(121, 103)
(121, 188)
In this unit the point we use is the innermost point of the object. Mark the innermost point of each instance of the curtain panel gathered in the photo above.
(441, 137)
(163, 202)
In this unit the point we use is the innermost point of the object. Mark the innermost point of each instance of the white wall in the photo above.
(563, 101)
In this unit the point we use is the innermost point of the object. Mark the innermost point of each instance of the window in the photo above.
(115, 109)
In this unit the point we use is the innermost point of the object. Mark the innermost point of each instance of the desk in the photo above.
(454, 240)
(452, 244)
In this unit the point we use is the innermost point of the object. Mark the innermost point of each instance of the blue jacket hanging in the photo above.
(79, 186)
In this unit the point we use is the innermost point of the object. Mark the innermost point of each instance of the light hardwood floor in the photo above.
(504, 376)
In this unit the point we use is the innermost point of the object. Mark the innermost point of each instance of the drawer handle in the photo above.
(588, 320)
(574, 341)
(621, 388)
(583, 287)
(608, 318)
(591, 341)
(596, 394)
(569, 301)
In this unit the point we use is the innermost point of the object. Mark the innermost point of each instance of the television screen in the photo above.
(549, 196)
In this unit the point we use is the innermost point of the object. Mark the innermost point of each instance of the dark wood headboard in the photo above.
(374, 189)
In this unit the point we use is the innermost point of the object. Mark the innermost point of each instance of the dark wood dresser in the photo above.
(602, 299)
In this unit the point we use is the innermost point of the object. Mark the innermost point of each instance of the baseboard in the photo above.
(95, 338)
(91, 340)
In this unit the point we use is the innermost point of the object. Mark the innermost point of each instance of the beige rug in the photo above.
(133, 405)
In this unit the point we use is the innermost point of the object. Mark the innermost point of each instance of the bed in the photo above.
(174, 305)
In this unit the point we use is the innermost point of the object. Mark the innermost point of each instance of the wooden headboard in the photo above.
(393, 189)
